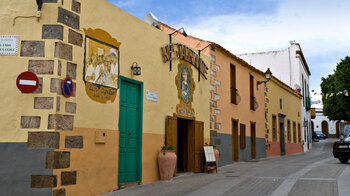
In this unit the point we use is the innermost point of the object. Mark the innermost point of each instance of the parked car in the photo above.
(341, 150)
(319, 135)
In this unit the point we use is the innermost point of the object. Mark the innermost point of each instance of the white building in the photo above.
(289, 66)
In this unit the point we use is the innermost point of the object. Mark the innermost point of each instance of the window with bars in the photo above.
(233, 84)
(274, 128)
(288, 131)
(242, 136)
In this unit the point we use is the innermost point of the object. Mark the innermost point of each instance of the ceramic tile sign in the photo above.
(8, 45)
(151, 96)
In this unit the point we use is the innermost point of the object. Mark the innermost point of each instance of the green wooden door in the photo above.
(130, 127)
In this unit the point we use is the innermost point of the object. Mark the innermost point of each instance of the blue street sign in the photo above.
(67, 87)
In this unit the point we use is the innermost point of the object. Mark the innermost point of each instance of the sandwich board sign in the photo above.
(210, 160)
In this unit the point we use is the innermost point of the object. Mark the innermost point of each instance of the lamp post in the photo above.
(183, 33)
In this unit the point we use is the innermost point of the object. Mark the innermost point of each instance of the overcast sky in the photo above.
(322, 27)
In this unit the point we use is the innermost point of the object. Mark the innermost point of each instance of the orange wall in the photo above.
(293, 148)
(242, 111)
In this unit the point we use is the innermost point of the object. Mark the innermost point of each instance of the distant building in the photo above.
(322, 123)
(289, 66)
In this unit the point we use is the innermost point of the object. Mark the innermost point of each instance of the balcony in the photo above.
(235, 97)
(253, 103)
(308, 103)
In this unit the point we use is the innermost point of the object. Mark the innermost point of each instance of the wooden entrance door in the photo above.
(253, 140)
(325, 128)
(235, 149)
(130, 128)
(192, 142)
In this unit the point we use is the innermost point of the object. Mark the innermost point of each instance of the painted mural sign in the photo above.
(101, 65)
(8, 45)
(186, 86)
(182, 52)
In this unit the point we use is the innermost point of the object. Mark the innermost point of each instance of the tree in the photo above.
(337, 107)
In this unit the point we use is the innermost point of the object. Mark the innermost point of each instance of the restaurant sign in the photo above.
(180, 51)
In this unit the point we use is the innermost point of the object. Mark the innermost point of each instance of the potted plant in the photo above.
(167, 162)
(216, 152)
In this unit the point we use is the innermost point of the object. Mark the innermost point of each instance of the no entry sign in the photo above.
(27, 82)
(67, 87)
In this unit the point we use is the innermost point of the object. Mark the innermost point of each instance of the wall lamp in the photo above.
(183, 33)
(268, 75)
(136, 69)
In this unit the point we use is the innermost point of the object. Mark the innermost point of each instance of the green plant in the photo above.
(173, 148)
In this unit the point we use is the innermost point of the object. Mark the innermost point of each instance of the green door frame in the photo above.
(139, 133)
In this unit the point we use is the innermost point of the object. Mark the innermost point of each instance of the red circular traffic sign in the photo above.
(27, 82)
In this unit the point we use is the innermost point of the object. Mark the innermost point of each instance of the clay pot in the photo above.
(217, 156)
(166, 163)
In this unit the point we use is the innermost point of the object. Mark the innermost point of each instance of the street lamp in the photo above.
(183, 33)
(268, 75)
(199, 56)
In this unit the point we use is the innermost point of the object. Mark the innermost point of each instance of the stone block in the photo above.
(30, 122)
(56, 86)
(43, 181)
(43, 139)
(217, 111)
(212, 88)
(41, 66)
(52, 32)
(59, 192)
(57, 160)
(217, 83)
(61, 122)
(212, 118)
(213, 104)
(68, 178)
(217, 67)
(75, 38)
(59, 68)
(33, 48)
(216, 97)
(63, 51)
(71, 107)
(213, 133)
(68, 18)
(76, 6)
(218, 126)
(72, 70)
(58, 103)
(43, 102)
(40, 87)
(74, 142)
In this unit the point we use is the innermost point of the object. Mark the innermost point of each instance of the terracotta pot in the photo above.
(166, 164)
(217, 156)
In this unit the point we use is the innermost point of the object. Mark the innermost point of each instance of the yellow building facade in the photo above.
(283, 118)
(109, 132)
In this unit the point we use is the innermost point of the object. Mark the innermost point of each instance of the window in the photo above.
(252, 98)
(303, 92)
(281, 104)
(288, 131)
(233, 84)
(299, 133)
(294, 132)
(274, 128)
(242, 136)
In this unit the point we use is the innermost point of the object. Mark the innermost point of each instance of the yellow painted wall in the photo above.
(290, 107)
(96, 164)
(14, 104)
(240, 112)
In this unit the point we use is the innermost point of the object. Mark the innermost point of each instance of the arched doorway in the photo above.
(325, 128)
(337, 129)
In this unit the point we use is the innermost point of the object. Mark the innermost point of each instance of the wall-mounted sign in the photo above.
(27, 82)
(185, 86)
(180, 51)
(101, 65)
(8, 45)
(67, 87)
(151, 96)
